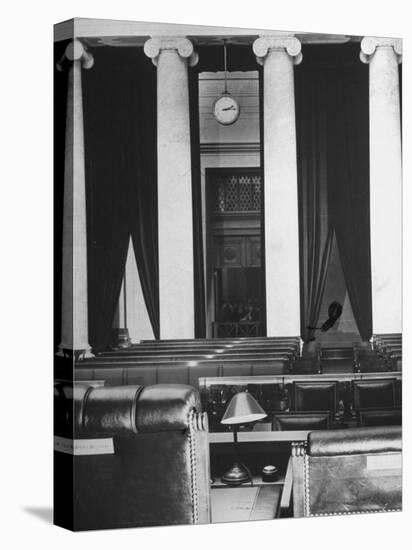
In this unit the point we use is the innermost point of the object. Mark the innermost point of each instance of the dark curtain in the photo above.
(144, 218)
(198, 262)
(106, 128)
(348, 177)
(120, 149)
(262, 203)
(315, 228)
(239, 58)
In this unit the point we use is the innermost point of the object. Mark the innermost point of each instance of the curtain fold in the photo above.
(348, 162)
(198, 260)
(143, 187)
(120, 151)
(262, 203)
(105, 129)
(315, 227)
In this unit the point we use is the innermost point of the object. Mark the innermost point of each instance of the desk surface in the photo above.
(246, 503)
(254, 437)
(267, 434)
(257, 482)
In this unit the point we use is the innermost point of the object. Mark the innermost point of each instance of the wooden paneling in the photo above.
(237, 251)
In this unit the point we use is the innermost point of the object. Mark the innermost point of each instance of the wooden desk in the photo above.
(246, 503)
(259, 437)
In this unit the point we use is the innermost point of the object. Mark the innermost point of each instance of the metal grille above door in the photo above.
(237, 193)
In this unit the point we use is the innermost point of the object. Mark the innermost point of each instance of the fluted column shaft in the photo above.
(278, 55)
(383, 56)
(176, 292)
(74, 330)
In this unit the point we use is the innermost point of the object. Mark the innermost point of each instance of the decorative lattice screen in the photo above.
(237, 193)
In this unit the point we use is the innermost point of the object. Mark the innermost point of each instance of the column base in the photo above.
(121, 338)
(76, 354)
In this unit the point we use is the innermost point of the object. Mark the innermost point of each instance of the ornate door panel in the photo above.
(236, 251)
(229, 251)
(253, 251)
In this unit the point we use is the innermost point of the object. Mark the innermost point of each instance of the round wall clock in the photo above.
(226, 109)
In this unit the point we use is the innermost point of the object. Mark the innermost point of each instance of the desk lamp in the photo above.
(243, 408)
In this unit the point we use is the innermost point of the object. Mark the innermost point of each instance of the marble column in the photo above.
(278, 55)
(176, 293)
(74, 330)
(383, 56)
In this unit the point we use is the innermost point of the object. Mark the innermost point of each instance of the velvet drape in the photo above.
(348, 177)
(144, 213)
(315, 227)
(198, 261)
(263, 316)
(120, 150)
(332, 120)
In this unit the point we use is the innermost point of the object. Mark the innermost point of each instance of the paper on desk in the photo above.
(233, 504)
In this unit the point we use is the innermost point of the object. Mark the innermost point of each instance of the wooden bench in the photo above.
(177, 372)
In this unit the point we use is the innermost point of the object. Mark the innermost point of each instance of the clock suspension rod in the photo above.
(225, 63)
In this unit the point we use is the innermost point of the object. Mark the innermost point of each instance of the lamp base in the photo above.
(236, 475)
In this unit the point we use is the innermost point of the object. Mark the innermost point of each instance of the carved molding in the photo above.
(370, 44)
(229, 253)
(183, 46)
(289, 44)
(76, 51)
(230, 148)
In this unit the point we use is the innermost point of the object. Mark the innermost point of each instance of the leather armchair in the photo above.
(347, 471)
(158, 471)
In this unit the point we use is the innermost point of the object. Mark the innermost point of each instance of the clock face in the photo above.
(226, 110)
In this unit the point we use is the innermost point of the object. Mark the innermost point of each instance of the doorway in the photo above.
(235, 284)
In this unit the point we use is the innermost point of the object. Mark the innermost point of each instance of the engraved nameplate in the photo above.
(84, 447)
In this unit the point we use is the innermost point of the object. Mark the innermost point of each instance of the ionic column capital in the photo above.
(180, 44)
(370, 44)
(263, 45)
(76, 51)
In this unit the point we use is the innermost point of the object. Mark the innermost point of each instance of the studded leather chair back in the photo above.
(154, 469)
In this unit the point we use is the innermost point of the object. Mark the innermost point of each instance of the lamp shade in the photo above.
(243, 408)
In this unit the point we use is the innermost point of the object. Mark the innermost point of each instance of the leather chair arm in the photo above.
(124, 410)
(355, 441)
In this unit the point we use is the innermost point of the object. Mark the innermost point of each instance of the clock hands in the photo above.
(231, 108)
